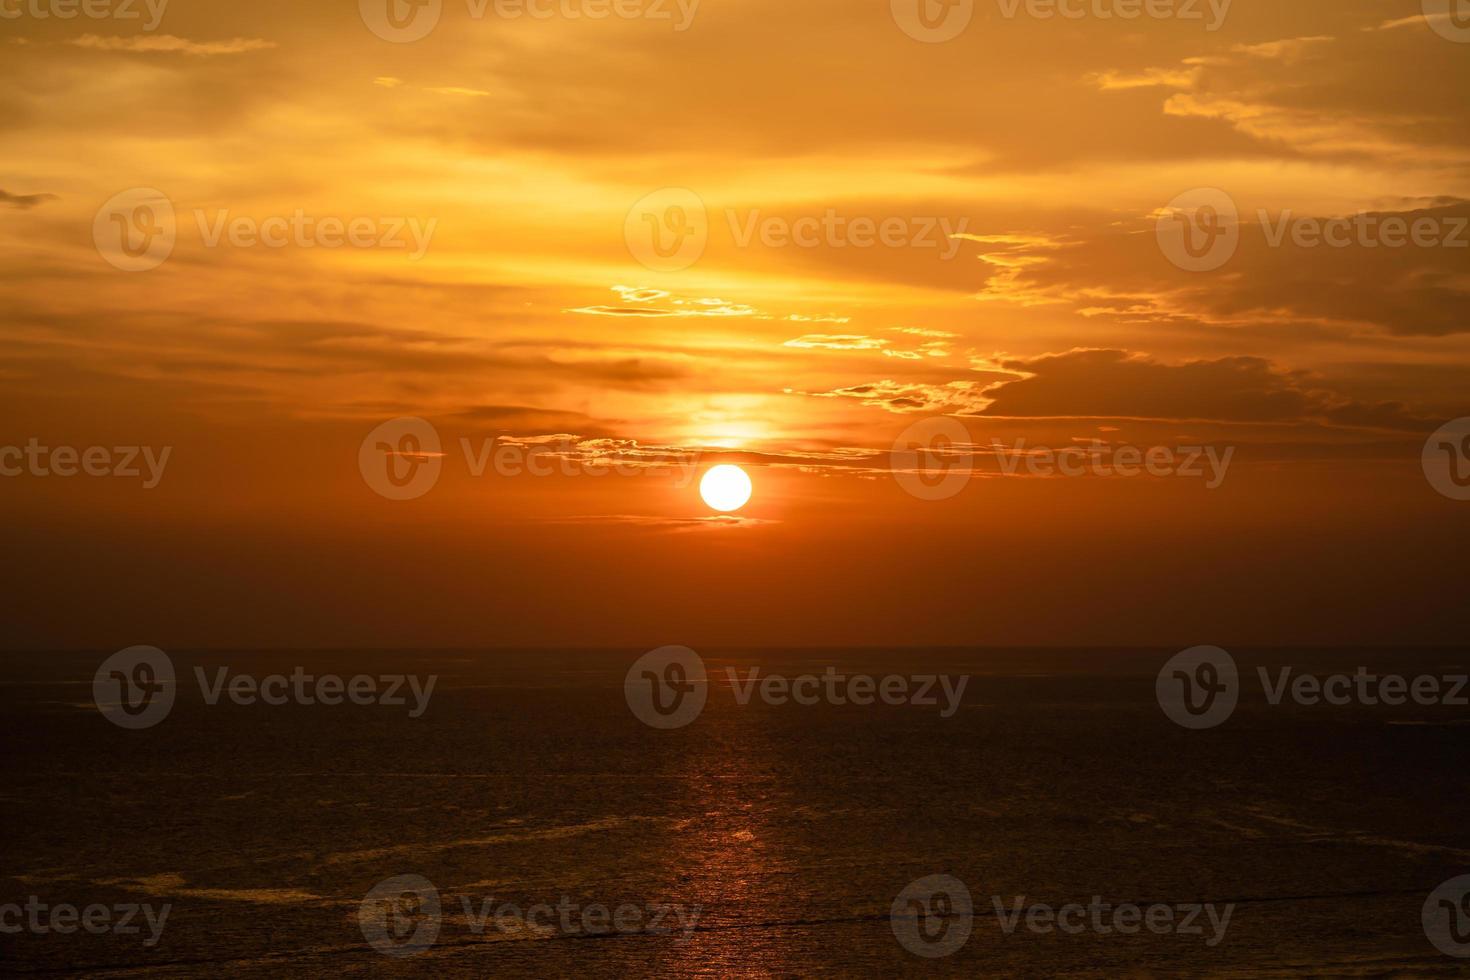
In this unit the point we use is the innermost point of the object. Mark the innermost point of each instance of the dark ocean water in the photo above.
(791, 828)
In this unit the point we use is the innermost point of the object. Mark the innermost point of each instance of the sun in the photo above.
(725, 488)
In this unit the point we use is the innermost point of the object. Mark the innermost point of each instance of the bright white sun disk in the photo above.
(725, 488)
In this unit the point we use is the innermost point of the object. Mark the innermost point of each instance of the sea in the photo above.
(527, 822)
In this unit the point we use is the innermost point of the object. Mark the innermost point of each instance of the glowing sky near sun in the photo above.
(888, 230)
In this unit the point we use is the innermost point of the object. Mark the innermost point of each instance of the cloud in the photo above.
(455, 90)
(923, 332)
(719, 522)
(25, 201)
(827, 341)
(1112, 81)
(606, 451)
(1119, 272)
(828, 318)
(1291, 101)
(621, 311)
(862, 342)
(1416, 20)
(689, 307)
(1120, 384)
(640, 294)
(506, 418)
(168, 43)
(1116, 384)
(1285, 50)
(909, 397)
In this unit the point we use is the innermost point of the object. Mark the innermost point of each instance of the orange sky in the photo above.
(1021, 170)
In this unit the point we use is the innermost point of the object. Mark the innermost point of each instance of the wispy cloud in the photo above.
(168, 43)
(25, 201)
(831, 341)
(721, 522)
(456, 90)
